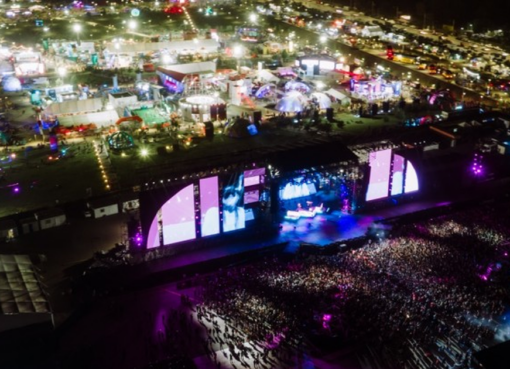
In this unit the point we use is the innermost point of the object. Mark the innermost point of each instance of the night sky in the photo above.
(492, 14)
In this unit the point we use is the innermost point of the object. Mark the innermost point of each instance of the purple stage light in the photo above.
(16, 189)
(138, 239)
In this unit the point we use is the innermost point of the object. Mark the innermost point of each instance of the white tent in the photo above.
(266, 76)
(322, 99)
(11, 84)
(101, 119)
(74, 106)
(173, 47)
(292, 102)
(338, 95)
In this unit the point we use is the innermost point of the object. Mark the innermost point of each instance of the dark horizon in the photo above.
(460, 13)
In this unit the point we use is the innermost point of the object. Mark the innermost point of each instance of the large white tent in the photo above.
(342, 98)
(266, 76)
(322, 99)
(11, 84)
(292, 102)
(74, 107)
(100, 119)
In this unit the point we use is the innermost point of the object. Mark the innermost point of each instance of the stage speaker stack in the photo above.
(257, 118)
(329, 114)
(161, 150)
(209, 130)
(386, 106)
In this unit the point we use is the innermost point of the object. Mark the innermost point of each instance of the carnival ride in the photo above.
(120, 141)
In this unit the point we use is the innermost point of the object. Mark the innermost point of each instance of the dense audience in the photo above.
(428, 296)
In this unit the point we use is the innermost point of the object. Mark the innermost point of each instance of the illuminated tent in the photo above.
(265, 90)
(297, 86)
(291, 102)
(322, 99)
(11, 84)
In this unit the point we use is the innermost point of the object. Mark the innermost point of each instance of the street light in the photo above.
(253, 18)
(62, 71)
(77, 29)
(238, 52)
(132, 25)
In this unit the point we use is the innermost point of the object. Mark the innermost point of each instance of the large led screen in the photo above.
(397, 175)
(378, 183)
(209, 206)
(233, 204)
(179, 217)
(297, 188)
(175, 221)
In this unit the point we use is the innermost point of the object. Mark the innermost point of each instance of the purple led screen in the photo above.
(209, 206)
(411, 183)
(397, 179)
(379, 162)
(179, 217)
(254, 177)
(233, 204)
(251, 196)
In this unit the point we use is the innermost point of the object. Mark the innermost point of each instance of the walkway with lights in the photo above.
(107, 172)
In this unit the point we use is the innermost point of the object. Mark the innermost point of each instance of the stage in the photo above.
(321, 230)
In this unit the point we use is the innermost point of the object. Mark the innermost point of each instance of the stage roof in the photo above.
(20, 291)
(303, 155)
(287, 153)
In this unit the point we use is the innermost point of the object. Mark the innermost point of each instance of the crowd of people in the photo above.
(430, 295)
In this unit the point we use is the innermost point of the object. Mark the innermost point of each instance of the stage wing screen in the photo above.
(411, 182)
(179, 217)
(379, 162)
(209, 206)
(397, 179)
(233, 204)
(153, 239)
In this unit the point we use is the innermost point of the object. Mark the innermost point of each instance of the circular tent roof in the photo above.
(291, 102)
(11, 84)
(322, 99)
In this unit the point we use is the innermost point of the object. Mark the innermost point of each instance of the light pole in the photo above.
(77, 29)
(238, 52)
(62, 71)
